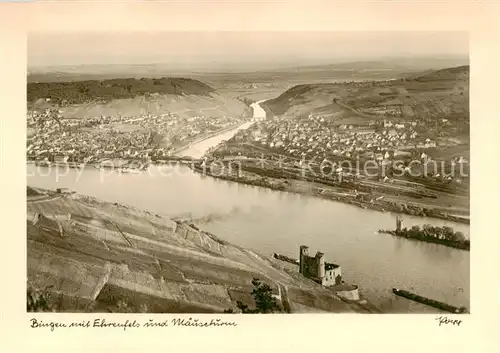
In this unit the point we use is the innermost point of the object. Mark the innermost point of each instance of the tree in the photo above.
(264, 299)
(244, 308)
(428, 229)
(414, 231)
(38, 300)
(460, 237)
(448, 233)
(265, 303)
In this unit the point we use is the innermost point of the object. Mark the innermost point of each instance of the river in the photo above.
(272, 221)
(197, 150)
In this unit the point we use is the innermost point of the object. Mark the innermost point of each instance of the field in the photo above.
(241, 91)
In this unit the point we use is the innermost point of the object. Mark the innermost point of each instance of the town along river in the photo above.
(272, 221)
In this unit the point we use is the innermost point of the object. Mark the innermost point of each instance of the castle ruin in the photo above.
(317, 269)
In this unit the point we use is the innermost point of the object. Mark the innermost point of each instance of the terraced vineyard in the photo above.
(99, 257)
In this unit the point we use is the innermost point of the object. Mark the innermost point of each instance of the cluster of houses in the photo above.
(314, 136)
(92, 138)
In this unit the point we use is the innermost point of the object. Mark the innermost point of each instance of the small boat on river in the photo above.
(431, 302)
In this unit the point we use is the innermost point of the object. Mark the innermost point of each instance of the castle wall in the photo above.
(310, 266)
(337, 274)
(352, 294)
(332, 277)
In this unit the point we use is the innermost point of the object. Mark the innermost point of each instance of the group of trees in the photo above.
(428, 231)
(38, 300)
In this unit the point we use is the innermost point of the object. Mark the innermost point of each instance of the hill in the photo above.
(453, 73)
(77, 92)
(440, 93)
(213, 105)
(128, 97)
(101, 257)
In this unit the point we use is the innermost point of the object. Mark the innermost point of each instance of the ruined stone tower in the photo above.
(399, 222)
(320, 265)
(316, 268)
(304, 253)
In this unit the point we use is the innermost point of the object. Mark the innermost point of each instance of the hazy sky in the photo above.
(236, 49)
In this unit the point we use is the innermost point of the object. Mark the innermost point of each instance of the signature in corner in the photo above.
(443, 320)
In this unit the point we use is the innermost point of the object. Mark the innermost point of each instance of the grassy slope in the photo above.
(442, 93)
(211, 105)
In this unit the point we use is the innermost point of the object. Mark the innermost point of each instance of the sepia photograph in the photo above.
(169, 167)
(248, 172)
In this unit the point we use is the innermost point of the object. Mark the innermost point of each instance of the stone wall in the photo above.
(332, 277)
(349, 293)
(198, 237)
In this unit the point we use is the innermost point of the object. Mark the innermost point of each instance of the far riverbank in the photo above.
(294, 186)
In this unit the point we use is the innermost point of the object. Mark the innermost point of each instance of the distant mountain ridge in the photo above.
(409, 64)
(380, 68)
(76, 92)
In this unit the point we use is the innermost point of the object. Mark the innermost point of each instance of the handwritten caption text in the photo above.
(131, 324)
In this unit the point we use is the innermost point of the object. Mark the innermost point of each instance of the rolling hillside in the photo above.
(95, 256)
(442, 93)
(133, 97)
